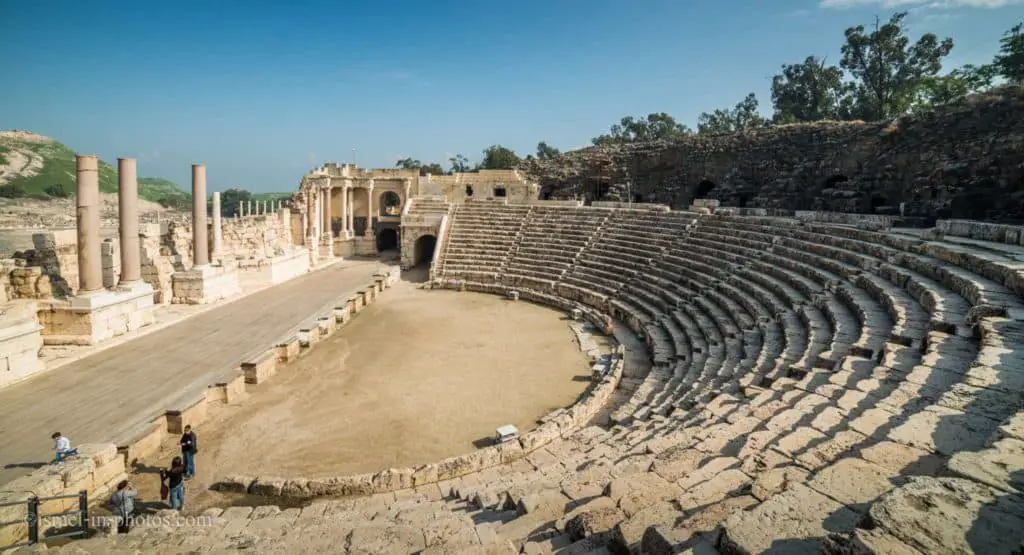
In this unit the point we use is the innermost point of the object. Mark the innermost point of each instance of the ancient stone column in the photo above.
(200, 243)
(90, 268)
(249, 213)
(345, 232)
(328, 193)
(264, 207)
(218, 234)
(128, 217)
(369, 209)
(351, 211)
(310, 219)
(408, 189)
(241, 208)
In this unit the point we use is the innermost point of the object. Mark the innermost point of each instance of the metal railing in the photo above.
(33, 517)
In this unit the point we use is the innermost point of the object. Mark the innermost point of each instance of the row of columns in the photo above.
(268, 207)
(88, 206)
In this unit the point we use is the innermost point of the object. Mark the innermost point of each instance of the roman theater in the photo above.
(803, 339)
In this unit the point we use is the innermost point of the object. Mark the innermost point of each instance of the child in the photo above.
(189, 448)
(62, 446)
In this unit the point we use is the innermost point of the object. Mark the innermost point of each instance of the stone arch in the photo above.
(836, 179)
(390, 204)
(423, 249)
(387, 239)
(704, 188)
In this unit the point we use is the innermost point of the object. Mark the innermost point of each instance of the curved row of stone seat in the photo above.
(903, 314)
(797, 422)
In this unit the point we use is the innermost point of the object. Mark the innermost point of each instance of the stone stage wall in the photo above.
(46, 265)
(960, 161)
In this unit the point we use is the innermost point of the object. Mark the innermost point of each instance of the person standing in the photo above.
(175, 481)
(189, 448)
(122, 503)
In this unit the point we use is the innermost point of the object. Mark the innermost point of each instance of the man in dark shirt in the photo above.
(189, 448)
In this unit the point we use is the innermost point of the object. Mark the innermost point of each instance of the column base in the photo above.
(96, 316)
(204, 285)
(20, 341)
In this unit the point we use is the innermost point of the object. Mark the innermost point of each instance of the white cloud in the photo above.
(936, 4)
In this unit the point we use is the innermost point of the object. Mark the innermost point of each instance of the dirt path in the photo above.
(418, 376)
(101, 397)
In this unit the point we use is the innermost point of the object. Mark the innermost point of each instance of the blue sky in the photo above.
(263, 91)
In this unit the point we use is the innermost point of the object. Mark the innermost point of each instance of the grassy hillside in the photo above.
(54, 164)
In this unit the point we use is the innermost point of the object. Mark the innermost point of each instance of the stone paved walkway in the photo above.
(101, 397)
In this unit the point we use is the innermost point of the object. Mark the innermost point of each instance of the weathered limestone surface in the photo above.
(839, 167)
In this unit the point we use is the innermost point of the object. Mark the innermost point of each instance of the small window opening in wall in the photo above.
(469, 190)
(499, 192)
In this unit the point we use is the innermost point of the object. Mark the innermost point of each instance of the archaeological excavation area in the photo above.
(777, 375)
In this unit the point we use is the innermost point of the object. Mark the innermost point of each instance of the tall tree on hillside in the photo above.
(408, 164)
(1009, 62)
(887, 70)
(459, 163)
(808, 91)
(941, 89)
(432, 168)
(653, 127)
(497, 157)
(741, 117)
(546, 151)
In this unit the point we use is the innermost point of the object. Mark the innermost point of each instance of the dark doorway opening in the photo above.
(704, 188)
(469, 190)
(423, 251)
(499, 192)
(638, 197)
(836, 179)
(878, 201)
(387, 239)
(743, 200)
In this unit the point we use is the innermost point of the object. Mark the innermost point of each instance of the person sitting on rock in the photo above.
(62, 446)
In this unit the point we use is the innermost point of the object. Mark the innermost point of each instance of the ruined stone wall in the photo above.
(964, 160)
(262, 236)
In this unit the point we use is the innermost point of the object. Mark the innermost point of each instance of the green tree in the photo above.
(546, 151)
(229, 201)
(887, 70)
(432, 168)
(459, 163)
(741, 117)
(808, 91)
(497, 157)
(1009, 62)
(409, 164)
(653, 127)
(942, 89)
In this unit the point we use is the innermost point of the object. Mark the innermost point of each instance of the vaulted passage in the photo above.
(423, 251)
(387, 239)
(704, 188)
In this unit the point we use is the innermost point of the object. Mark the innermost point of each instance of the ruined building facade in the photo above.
(963, 160)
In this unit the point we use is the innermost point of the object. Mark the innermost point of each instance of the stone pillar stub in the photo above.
(128, 217)
(218, 234)
(90, 269)
(200, 241)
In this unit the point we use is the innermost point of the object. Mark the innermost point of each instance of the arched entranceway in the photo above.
(387, 239)
(423, 251)
(390, 204)
(704, 188)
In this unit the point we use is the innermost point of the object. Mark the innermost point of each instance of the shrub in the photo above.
(12, 190)
(58, 190)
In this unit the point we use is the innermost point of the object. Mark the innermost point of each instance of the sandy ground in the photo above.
(416, 377)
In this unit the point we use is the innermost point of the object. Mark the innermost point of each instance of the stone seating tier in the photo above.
(814, 386)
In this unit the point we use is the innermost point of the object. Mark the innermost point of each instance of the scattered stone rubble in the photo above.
(815, 388)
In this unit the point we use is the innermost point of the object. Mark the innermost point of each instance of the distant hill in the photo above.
(42, 167)
(271, 196)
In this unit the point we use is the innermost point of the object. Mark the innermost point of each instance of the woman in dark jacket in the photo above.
(174, 479)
